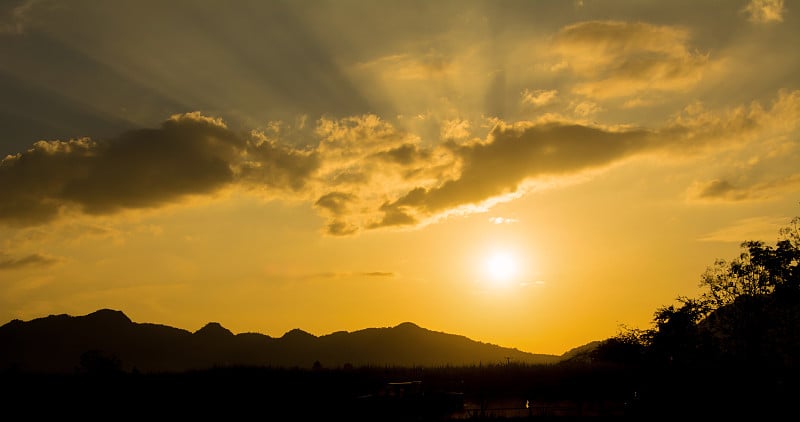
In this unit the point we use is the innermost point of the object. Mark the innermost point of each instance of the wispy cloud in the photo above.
(15, 15)
(539, 97)
(32, 260)
(433, 65)
(723, 191)
(349, 274)
(377, 274)
(623, 59)
(455, 129)
(764, 11)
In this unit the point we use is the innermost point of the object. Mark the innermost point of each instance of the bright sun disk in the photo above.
(500, 267)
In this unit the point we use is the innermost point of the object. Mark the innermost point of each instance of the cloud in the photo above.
(15, 15)
(764, 11)
(378, 274)
(455, 129)
(586, 108)
(333, 274)
(717, 189)
(511, 155)
(362, 172)
(272, 165)
(335, 202)
(723, 191)
(406, 155)
(365, 160)
(538, 98)
(515, 154)
(189, 154)
(340, 228)
(696, 128)
(622, 59)
(432, 65)
(32, 260)
(346, 142)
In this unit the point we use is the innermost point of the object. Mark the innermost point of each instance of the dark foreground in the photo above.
(403, 394)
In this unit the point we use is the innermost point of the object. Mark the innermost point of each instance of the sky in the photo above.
(531, 174)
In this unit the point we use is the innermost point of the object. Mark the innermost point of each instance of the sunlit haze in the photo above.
(532, 174)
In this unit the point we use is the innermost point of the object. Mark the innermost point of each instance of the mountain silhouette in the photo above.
(109, 339)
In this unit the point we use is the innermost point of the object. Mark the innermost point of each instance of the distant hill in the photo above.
(109, 340)
(580, 353)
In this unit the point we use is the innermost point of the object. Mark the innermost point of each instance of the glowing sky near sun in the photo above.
(533, 174)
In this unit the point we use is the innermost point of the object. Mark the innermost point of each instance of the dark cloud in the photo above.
(406, 154)
(32, 260)
(395, 215)
(511, 156)
(335, 202)
(279, 166)
(189, 154)
(340, 228)
(719, 189)
(14, 15)
(723, 191)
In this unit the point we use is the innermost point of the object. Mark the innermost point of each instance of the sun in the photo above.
(500, 267)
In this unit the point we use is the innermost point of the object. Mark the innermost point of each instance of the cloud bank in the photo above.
(362, 172)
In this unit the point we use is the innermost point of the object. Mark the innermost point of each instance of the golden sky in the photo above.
(533, 174)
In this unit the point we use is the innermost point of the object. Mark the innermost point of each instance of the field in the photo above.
(448, 393)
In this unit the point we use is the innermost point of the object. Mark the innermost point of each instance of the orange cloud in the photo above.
(764, 11)
(362, 172)
(622, 59)
(539, 97)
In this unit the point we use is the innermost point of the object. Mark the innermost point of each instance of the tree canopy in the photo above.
(747, 313)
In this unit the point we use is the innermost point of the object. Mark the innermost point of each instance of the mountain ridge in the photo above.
(59, 343)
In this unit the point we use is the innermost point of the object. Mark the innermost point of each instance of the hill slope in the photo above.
(109, 340)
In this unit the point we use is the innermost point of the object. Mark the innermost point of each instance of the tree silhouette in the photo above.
(628, 347)
(759, 270)
(747, 314)
(676, 337)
